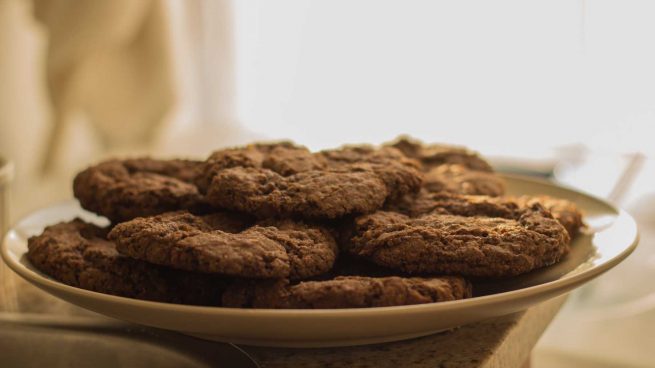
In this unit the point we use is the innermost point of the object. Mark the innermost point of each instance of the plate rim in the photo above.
(43, 281)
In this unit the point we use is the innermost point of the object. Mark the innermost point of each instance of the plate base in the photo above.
(342, 342)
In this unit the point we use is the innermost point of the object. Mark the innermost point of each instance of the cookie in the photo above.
(462, 235)
(346, 292)
(456, 204)
(452, 169)
(433, 155)
(184, 170)
(78, 254)
(454, 178)
(284, 157)
(222, 243)
(284, 180)
(399, 174)
(124, 189)
(566, 212)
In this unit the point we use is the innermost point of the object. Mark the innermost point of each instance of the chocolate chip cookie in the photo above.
(124, 189)
(463, 235)
(346, 292)
(285, 180)
(78, 254)
(224, 244)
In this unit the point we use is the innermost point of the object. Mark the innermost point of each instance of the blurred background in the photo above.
(560, 89)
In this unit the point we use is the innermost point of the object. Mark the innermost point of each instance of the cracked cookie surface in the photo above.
(347, 292)
(224, 244)
(454, 178)
(289, 181)
(464, 235)
(564, 211)
(433, 155)
(78, 254)
(124, 189)
(452, 169)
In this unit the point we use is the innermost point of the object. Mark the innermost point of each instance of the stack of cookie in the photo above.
(277, 226)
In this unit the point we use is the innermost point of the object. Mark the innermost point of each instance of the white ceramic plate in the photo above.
(612, 236)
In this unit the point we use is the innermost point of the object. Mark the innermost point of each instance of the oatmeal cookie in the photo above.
(124, 189)
(78, 254)
(346, 292)
(221, 243)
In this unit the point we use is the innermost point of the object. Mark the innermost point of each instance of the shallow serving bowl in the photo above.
(610, 237)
